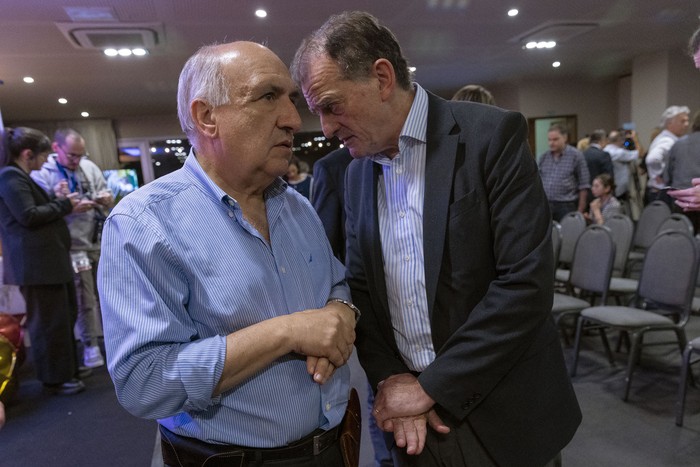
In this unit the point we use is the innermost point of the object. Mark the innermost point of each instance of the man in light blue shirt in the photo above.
(226, 315)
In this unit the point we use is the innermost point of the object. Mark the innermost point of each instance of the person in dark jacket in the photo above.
(35, 245)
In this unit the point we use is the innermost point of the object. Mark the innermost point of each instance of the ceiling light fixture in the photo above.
(513, 12)
(125, 52)
(62, 100)
(556, 64)
(84, 114)
(28, 79)
(412, 69)
(260, 13)
(540, 45)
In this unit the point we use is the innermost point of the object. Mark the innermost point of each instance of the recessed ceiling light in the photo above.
(556, 64)
(412, 69)
(28, 79)
(139, 52)
(124, 52)
(540, 45)
(62, 100)
(260, 13)
(84, 114)
(513, 12)
(111, 52)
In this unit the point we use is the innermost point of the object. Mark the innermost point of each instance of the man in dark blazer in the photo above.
(597, 160)
(328, 192)
(489, 385)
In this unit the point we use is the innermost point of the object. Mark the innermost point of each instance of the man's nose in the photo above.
(329, 126)
(291, 118)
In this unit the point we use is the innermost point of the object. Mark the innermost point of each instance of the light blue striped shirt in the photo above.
(400, 195)
(180, 269)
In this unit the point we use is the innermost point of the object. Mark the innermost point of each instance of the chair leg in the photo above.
(577, 344)
(606, 345)
(632, 361)
(622, 338)
(683, 385)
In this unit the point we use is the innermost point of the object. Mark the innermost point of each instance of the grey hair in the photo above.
(671, 112)
(202, 78)
(354, 40)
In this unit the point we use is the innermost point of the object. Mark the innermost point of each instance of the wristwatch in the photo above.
(355, 310)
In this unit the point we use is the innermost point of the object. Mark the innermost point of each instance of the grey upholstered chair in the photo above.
(692, 347)
(572, 225)
(591, 269)
(646, 229)
(661, 303)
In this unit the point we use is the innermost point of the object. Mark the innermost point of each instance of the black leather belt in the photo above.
(183, 451)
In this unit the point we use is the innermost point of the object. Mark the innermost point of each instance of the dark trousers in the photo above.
(459, 448)
(51, 314)
(652, 194)
(561, 208)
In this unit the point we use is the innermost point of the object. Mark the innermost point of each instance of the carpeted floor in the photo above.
(91, 429)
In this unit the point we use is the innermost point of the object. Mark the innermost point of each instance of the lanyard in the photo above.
(72, 178)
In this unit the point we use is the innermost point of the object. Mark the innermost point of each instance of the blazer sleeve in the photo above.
(499, 244)
(20, 194)
(328, 203)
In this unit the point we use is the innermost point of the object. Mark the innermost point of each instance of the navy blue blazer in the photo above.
(35, 238)
(488, 271)
(328, 197)
(598, 162)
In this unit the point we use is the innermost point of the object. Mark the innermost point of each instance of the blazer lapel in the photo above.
(441, 151)
(371, 217)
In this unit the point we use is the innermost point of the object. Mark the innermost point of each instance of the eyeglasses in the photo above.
(72, 155)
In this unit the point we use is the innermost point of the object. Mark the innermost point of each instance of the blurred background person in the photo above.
(298, 178)
(597, 160)
(674, 123)
(623, 160)
(583, 143)
(35, 245)
(70, 163)
(564, 174)
(474, 93)
(683, 167)
(604, 203)
(694, 48)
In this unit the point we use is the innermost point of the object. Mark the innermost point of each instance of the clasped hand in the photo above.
(402, 406)
(326, 336)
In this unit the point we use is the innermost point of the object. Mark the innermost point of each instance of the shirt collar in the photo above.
(195, 171)
(416, 125)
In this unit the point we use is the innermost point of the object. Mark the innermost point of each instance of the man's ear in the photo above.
(204, 118)
(54, 146)
(384, 72)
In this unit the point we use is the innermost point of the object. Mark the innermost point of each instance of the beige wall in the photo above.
(657, 81)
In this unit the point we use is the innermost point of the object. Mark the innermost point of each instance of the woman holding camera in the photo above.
(35, 245)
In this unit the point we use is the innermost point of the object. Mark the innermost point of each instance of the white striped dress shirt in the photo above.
(400, 195)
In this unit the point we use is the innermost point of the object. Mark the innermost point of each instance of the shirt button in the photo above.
(283, 269)
(407, 258)
(402, 213)
(230, 214)
(410, 302)
(399, 170)
(328, 406)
